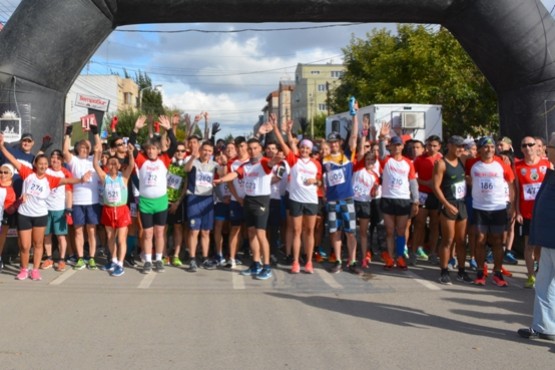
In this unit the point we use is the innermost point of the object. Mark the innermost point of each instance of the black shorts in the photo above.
(462, 215)
(376, 215)
(431, 203)
(27, 222)
(494, 222)
(297, 209)
(396, 207)
(524, 228)
(10, 220)
(180, 214)
(363, 209)
(149, 220)
(257, 211)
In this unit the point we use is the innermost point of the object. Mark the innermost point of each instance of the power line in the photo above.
(244, 29)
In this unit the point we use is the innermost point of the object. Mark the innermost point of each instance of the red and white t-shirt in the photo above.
(303, 169)
(530, 178)
(396, 175)
(153, 182)
(256, 177)
(35, 192)
(238, 183)
(7, 199)
(57, 199)
(488, 183)
(363, 182)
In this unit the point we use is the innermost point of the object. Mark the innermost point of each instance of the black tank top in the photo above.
(453, 184)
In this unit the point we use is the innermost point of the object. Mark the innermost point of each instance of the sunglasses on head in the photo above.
(529, 145)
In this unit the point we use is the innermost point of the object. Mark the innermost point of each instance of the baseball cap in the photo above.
(485, 140)
(456, 140)
(334, 136)
(396, 140)
(27, 135)
(506, 140)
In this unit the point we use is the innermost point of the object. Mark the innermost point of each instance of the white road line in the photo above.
(147, 280)
(63, 277)
(237, 280)
(328, 279)
(425, 283)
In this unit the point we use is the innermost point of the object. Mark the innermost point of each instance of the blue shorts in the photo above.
(56, 223)
(200, 212)
(342, 216)
(86, 215)
(221, 212)
(236, 215)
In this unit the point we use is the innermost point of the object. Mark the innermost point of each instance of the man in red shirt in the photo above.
(530, 173)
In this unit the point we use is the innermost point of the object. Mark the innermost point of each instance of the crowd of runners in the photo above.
(273, 199)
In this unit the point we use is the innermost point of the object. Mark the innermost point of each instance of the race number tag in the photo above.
(35, 189)
(113, 193)
(531, 190)
(422, 197)
(205, 179)
(486, 186)
(151, 178)
(174, 181)
(459, 190)
(336, 177)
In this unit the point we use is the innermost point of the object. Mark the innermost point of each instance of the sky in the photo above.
(229, 75)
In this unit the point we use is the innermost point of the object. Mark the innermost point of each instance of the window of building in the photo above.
(314, 72)
(322, 87)
(322, 107)
(337, 74)
(127, 98)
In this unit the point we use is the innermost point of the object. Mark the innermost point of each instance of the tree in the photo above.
(418, 65)
(151, 103)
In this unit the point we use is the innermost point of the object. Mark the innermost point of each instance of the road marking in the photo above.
(328, 279)
(147, 280)
(425, 283)
(63, 277)
(237, 280)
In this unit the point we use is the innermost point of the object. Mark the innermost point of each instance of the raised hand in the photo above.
(165, 122)
(140, 122)
(385, 129)
(175, 119)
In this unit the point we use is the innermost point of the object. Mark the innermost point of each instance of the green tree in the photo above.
(151, 101)
(418, 65)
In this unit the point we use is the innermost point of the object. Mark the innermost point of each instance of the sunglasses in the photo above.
(5, 173)
(120, 144)
(27, 141)
(529, 145)
(180, 151)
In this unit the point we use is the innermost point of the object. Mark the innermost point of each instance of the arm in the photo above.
(437, 178)
(165, 123)
(279, 137)
(74, 180)
(96, 165)
(67, 144)
(227, 178)
(190, 163)
(9, 156)
(126, 174)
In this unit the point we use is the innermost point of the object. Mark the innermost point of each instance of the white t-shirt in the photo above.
(489, 184)
(153, 182)
(57, 199)
(35, 192)
(396, 175)
(257, 178)
(87, 193)
(363, 182)
(303, 169)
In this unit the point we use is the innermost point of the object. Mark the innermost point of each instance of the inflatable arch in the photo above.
(45, 45)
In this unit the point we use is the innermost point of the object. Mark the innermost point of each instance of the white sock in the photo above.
(148, 257)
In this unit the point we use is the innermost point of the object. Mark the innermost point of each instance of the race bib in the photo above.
(250, 187)
(459, 190)
(174, 181)
(204, 179)
(113, 193)
(151, 178)
(361, 191)
(35, 189)
(486, 185)
(531, 190)
(422, 197)
(336, 177)
(395, 183)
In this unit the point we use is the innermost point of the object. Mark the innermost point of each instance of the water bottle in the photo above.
(352, 109)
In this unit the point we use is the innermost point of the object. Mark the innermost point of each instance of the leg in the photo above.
(38, 245)
(79, 240)
(264, 245)
(309, 223)
(91, 237)
(205, 242)
(363, 228)
(389, 223)
(25, 242)
(297, 223)
(122, 244)
(447, 238)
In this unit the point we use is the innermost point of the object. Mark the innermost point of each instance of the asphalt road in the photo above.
(221, 320)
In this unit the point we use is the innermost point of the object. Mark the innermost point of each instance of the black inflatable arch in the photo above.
(45, 44)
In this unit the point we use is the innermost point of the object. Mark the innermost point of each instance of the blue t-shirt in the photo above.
(338, 171)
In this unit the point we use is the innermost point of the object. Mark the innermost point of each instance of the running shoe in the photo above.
(231, 264)
(60, 266)
(253, 270)
(433, 259)
(92, 264)
(473, 265)
(147, 268)
(79, 265)
(463, 276)
(530, 282)
(308, 268)
(389, 262)
(499, 280)
(159, 266)
(295, 267)
(35, 275)
(489, 257)
(509, 258)
(530, 333)
(130, 261)
(322, 252)
(208, 264)
(23, 274)
(46, 264)
(264, 274)
(506, 272)
(336, 268)
(365, 264)
(413, 258)
(368, 257)
(332, 258)
(110, 266)
(118, 271)
(193, 266)
(166, 260)
(288, 260)
(421, 255)
(72, 260)
(401, 263)
(445, 279)
(318, 257)
(354, 269)
(452, 264)
(480, 280)
(176, 262)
